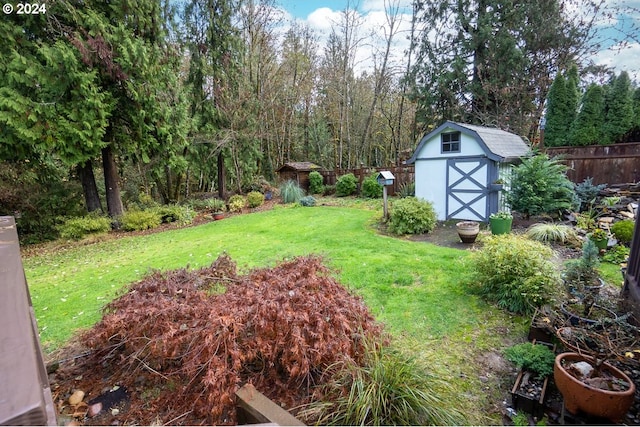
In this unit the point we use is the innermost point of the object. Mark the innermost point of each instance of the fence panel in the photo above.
(606, 164)
(403, 174)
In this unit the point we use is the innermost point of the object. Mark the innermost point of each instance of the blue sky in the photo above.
(370, 10)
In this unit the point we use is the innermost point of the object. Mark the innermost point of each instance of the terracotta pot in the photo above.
(468, 231)
(218, 216)
(579, 396)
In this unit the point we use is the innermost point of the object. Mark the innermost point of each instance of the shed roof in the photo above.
(498, 144)
(299, 166)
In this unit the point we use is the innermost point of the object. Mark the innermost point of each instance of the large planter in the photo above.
(581, 397)
(500, 225)
(468, 231)
(597, 314)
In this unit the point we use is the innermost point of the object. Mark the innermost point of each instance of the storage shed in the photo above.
(298, 172)
(462, 169)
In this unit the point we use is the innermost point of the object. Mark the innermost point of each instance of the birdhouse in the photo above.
(385, 178)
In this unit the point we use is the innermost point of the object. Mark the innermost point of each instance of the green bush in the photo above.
(316, 182)
(371, 188)
(77, 228)
(255, 199)
(139, 220)
(388, 388)
(540, 185)
(346, 185)
(175, 213)
(308, 201)
(515, 272)
(587, 192)
(616, 255)
(291, 192)
(411, 216)
(237, 202)
(536, 358)
(623, 231)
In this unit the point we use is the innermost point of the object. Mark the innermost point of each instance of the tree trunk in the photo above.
(114, 201)
(221, 189)
(89, 187)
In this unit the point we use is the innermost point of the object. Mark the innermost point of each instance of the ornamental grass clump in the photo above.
(551, 232)
(389, 388)
(514, 272)
(291, 192)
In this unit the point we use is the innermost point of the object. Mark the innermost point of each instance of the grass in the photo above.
(416, 289)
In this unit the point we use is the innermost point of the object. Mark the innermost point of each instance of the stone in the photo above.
(76, 397)
(626, 214)
(94, 409)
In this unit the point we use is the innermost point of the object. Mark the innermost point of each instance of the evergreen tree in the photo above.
(618, 109)
(587, 129)
(573, 98)
(557, 128)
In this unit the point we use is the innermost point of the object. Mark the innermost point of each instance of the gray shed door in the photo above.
(467, 195)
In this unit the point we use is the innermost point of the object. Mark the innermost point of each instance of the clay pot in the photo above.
(468, 231)
(579, 396)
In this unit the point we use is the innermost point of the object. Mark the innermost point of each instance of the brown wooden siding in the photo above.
(403, 175)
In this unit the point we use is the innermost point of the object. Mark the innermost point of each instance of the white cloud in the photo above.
(623, 58)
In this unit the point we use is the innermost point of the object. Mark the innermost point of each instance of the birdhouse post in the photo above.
(385, 178)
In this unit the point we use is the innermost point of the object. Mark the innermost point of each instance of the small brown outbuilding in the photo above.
(298, 172)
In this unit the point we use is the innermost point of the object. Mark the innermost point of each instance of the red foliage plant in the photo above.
(182, 350)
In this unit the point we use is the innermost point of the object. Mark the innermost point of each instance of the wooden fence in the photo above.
(404, 175)
(606, 164)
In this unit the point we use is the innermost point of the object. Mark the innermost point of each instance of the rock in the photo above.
(605, 219)
(94, 409)
(626, 214)
(76, 397)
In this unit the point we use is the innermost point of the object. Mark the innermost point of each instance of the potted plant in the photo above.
(216, 207)
(535, 361)
(583, 284)
(500, 222)
(468, 231)
(497, 185)
(593, 386)
(600, 238)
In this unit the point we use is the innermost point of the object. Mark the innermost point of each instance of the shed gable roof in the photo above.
(498, 144)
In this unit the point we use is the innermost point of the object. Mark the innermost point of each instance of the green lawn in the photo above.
(416, 289)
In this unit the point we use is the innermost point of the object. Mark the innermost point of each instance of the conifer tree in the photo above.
(618, 109)
(587, 129)
(557, 128)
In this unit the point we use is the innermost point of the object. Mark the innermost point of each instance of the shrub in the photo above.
(371, 188)
(308, 201)
(586, 193)
(77, 228)
(255, 199)
(536, 358)
(514, 272)
(329, 190)
(140, 220)
(616, 255)
(291, 192)
(346, 185)
(316, 182)
(411, 216)
(539, 185)
(623, 231)
(237, 202)
(175, 213)
(388, 388)
(548, 233)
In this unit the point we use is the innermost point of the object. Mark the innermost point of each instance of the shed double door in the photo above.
(467, 192)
